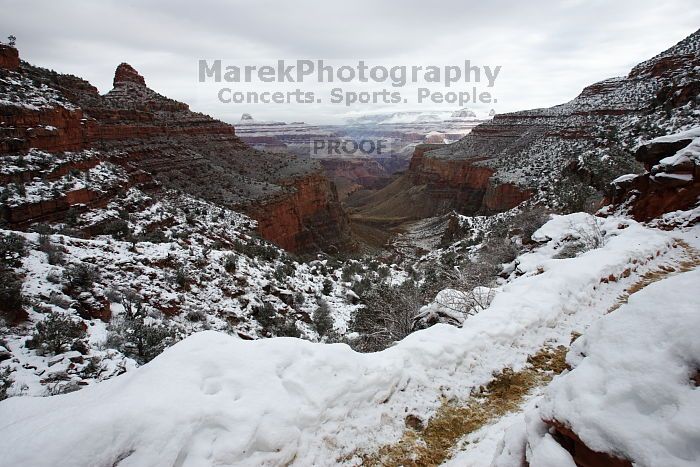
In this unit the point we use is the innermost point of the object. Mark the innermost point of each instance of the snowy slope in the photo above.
(630, 392)
(214, 399)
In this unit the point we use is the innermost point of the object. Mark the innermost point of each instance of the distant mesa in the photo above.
(463, 113)
(127, 74)
(247, 118)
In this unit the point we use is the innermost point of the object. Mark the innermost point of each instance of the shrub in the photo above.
(283, 271)
(55, 334)
(386, 315)
(327, 286)
(230, 263)
(570, 250)
(181, 278)
(80, 276)
(119, 229)
(11, 299)
(252, 249)
(54, 253)
(265, 315)
(12, 250)
(383, 272)
(136, 336)
(574, 196)
(71, 218)
(287, 328)
(322, 320)
(5, 382)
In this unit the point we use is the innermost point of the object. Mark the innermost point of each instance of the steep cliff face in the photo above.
(351, 175)
(9, 58)
(434, 187)
(177, 148)
(303, 220)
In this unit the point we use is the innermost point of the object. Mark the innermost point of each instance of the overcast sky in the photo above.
(548, 51)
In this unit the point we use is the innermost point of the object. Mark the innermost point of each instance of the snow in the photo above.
(215, 399)
(624, 178)
(691, 133)
(678, 177)
(630, 391)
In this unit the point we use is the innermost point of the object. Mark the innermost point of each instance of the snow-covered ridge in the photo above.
(214, 399)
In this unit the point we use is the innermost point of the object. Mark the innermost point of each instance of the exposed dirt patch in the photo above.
(691, 262)
(432, 444)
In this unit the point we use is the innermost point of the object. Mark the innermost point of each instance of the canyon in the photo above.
(162, 143)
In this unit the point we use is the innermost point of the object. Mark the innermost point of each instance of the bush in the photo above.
(12, 250)
(71, 218)
(54, 253)
(283, 271)
(11, 299)
(350, 270)
(80, 276)
(266, 315)
(574, 196)
(570, 250)
(287, 328)
(256, 250)
(5, 382)
(386, 316)
(119, 229)
(327, 286)
(135, 336)
(322, 320)
(230, 263)
(55, 334)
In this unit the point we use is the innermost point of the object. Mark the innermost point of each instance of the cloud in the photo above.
(548, 50)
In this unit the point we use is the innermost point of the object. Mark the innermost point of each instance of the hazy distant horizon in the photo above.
(546, 59)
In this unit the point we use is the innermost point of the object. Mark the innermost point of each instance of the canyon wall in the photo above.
(160, 139)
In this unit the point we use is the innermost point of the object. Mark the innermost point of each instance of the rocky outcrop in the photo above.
(127, 74)
(304, 219)
(671, 181)
(9, 58)
(53, 129)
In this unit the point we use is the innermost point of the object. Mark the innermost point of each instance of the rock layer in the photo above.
(175, 147)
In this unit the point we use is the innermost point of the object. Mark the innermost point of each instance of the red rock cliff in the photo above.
(157, 137)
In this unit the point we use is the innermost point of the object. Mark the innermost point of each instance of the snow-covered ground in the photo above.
(631, 391)
(214, 399)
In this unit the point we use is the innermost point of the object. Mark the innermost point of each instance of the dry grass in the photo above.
(432, 445)
(692, 261)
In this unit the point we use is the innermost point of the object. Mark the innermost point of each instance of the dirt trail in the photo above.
(434, 443)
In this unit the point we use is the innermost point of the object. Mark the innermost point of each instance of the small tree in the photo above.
(80, 276)
(11, 40)
(230, 263)
(327, 286)
(11, 299)
(55, 334)
(136, 336)
(12, 250)
(387, 315)
(323, 322)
